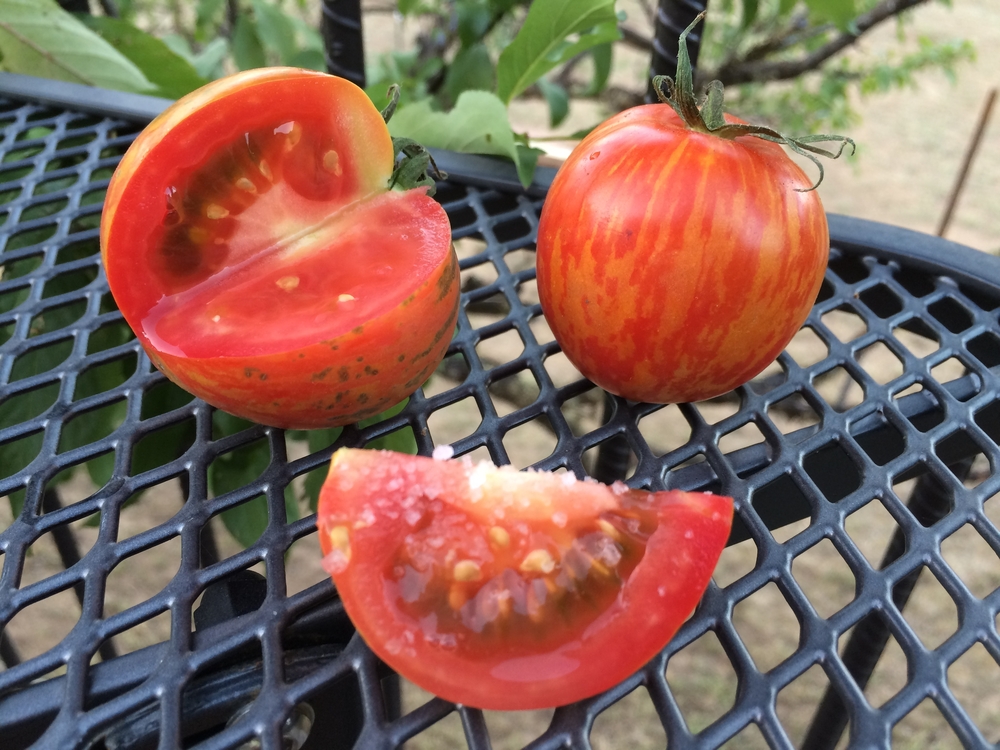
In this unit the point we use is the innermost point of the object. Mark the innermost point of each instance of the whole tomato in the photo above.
(252, 241)
(677, 259)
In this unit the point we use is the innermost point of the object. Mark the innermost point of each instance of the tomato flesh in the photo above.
(512, 590)
(252, 242)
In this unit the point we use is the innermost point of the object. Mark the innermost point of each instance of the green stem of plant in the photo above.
(709, 118)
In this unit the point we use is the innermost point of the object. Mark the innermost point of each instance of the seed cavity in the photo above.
(288, 283)
(538, 561)
(499, 536)
(215, 211)
(331, 163)
(457, 597)
(608, 529)
(467, 570)
(293, 132)
(198, 235)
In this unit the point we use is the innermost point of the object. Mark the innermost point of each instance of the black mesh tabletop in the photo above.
(862, 463)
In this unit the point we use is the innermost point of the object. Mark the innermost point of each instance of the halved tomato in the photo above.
(509, 590)
(252, 242)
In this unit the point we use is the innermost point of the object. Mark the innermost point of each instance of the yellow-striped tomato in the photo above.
(252, 242)
(675, 265)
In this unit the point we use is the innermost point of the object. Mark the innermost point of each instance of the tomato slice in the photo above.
(512, 590)
(252, 242)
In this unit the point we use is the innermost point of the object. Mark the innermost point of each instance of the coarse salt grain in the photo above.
(443, 452)
(335, 562)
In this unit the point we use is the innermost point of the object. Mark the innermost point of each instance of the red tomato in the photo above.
(675, 265)
(512, 590)
(252, 243)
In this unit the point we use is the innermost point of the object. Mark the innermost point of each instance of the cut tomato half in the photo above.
(511, 590)
(252, 242)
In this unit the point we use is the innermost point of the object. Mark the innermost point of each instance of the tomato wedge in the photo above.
(252, 242)
(507, 590)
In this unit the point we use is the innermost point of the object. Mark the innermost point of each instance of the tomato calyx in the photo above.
(710, 119)
(413, 162)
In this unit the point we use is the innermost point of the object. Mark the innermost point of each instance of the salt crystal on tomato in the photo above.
(335, 562)
(443, 452)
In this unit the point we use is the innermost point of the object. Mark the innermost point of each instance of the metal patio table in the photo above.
(247, 664)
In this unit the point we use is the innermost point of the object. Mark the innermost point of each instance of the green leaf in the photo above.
(602, 56)
(472, 22)
(471, 70)
(309, 58)
(310, 37)
(275, 29)
(547, 39)
(39, 38)
(172, 75)
(405, 7)
(247, 521)
(208, 62)
(750, 8)
(163, 446)
(558, 99)
(248, 52)
(477, 124)
(231, 471)
(317, 440)
(207, 12)
(840, 12)
(401, 441)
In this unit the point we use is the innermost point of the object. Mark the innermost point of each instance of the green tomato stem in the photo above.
(710, 119)
(413, 164)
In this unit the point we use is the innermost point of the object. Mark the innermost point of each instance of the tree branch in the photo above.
(738, 71)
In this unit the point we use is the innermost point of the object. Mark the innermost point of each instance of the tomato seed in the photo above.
(246, 185)
(467, 570)
(538, 561)
(198, 235)
(457, 597)
(215, 211)
(340, 538)
(288, 283)
(331, 163)
(608, 528)
(499, 536)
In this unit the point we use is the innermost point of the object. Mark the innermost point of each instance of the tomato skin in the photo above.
(674, 265)
(523, 663)
(285, 172)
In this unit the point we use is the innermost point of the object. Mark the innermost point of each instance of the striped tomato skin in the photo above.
(674, 265)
